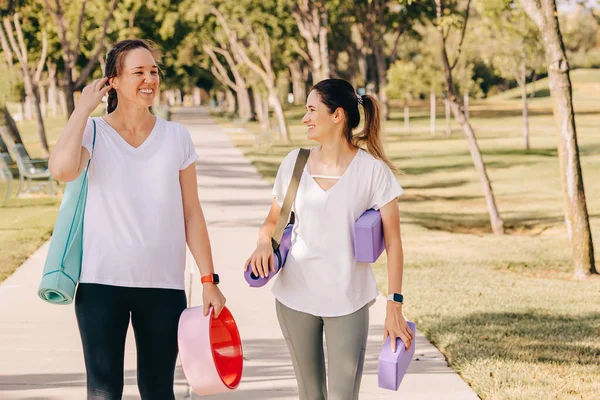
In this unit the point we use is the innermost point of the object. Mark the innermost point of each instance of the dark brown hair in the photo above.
(339, 93)
(115, 60)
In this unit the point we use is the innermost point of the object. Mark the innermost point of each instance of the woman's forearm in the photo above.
(198, 241)
(266, 232)
(395, 266)
(65, 159)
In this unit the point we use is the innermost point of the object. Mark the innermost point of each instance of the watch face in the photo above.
(216, 279)
(398, 298)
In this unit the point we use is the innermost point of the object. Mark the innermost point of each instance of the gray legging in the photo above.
(346, 342)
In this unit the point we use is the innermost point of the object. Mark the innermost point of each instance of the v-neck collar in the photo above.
(338, 181)
(125, 142)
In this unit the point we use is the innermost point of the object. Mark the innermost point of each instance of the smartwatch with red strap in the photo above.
(213, 278)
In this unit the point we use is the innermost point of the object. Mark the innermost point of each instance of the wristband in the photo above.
(396, 297)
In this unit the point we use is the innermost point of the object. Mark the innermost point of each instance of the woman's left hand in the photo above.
(396, 326)
(212, 296)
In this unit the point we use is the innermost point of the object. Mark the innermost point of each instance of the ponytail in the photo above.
(339, 93)
(113, 100)
(370, 137)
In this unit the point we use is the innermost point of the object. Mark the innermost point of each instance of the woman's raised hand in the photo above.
(92, 95)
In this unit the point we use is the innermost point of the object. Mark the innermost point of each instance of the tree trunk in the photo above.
(244, 104)
(170, 97)
(466, 104)
(495, 219)
(361, 55)
(312, 21)
(381, 78)
(69, 91)
(62, 102)
(262, 115)
(40, 123)
(448, 119)
(43, 100)
(53, 99)
(253, 113)
(28, 107)
(577, 220)
(525, 115)
(276, 104)
(432, 114)
(197, 97)
(323, 43)
(298, 84)
(406, 118)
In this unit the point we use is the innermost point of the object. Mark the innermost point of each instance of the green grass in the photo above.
(585, 87)
(26, 223)
(503, 309)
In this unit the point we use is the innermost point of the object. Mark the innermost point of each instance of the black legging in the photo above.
(103, 313)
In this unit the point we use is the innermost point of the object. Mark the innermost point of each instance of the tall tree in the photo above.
(237, 84)
(544, 14)
(312, 18)
(511, 44)
(382, 24)
(32, 70)
(251, 37)
(446, 18)
(71, 39)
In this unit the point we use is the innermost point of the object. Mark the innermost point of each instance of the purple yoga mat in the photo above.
(368, 237)
(391, 367)
(284, 248)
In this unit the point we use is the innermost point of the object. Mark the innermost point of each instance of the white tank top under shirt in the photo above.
(134, 233)
(321, 276)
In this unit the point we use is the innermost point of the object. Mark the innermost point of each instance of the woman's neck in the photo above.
(131, 119)
(336, 152)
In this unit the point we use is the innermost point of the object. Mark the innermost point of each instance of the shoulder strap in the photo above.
(290, 196)
(93, 145)
(94, 139)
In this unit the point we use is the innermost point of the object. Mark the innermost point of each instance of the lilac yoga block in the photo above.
(391, 367)
(368, 237)
(284, 248)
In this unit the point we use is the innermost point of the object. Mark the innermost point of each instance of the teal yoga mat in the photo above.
(63, 263)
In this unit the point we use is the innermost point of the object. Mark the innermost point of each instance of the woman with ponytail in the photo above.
(142, 207)
(322, 288)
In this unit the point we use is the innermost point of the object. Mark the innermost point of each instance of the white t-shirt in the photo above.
(321, 276)
(134, 232)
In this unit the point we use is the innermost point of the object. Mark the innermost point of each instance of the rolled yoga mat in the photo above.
(279, 259)
(391, 367)
(63, 263)
(210, 350)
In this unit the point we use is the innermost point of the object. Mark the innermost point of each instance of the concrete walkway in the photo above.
(40, 349)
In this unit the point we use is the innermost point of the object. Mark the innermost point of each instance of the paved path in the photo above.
(40, 349)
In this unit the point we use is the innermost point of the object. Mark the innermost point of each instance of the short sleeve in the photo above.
(88, 135)
(189, 150)
(284, 176)
(385, 186)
